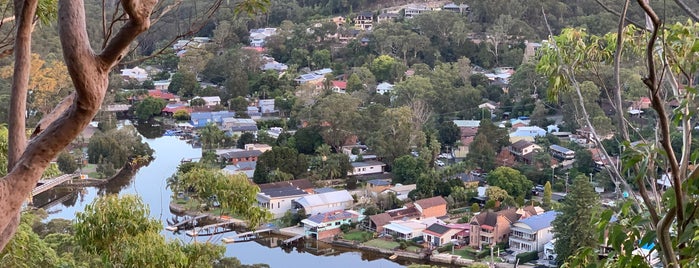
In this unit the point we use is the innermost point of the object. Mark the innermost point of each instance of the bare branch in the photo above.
(617, 80)
(687, 10)
(608, 9)
(57, 112)
(138, 12)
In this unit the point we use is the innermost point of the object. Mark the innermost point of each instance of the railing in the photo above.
(48, 184)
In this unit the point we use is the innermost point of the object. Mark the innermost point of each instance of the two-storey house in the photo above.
(531, 234)
(326, 225)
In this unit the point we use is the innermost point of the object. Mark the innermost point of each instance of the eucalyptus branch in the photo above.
(608, 9)
(687, 10)
(617, 80)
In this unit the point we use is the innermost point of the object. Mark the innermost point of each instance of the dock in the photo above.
(232, 239)
(46, 185)
(177, 226)
(293, 239)
(213, 229)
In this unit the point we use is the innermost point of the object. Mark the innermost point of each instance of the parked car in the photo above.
(439, 163)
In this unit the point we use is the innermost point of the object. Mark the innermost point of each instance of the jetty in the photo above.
(177, 226)
(45, 185)
(293, 239)
(213, 229)
(246, 235)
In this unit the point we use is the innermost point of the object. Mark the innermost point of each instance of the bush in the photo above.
(66, 162)
(527, 256)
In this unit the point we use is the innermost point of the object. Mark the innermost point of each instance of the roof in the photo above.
(339, 84)
(367, 163)
(467, 123)
(239, 154)
(325, 198)
(243, 128)
(561, 149)
(431, 202)
(301, 183)
(539, 222)
(521, 144)
(380, 219)
(378, 182)
(437, 229)
(331, 216)
(324, 190)
(159, 94)
(490, 218)
(284, 191)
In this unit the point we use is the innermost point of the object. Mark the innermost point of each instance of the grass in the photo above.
(356, 235)
(380, 243)
(466, 253)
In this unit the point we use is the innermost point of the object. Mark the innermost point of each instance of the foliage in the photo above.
(475, 208)
(449, 133)
(116, 147)
(245, 138)
(573, 228)
(212, 137)
(182, 115)
(285, 159)
(27, 249)
(510, 180)
(546, 198)
(338, 116)
(527, 256)
(407, 168)
(149, 107)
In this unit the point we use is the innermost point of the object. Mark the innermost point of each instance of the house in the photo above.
(364, 20)
(339, 21)
(201, 119)
(409, 228)
(366, 168)
(415, 9)
(489, 228)
(231, 122)
(278, 198)
(258, 146)
(461, 9)
(314, 77)
(378, 185)
(236, 157)
(432, 207)
(172, 108)
(469, 179)
(490, 106)
(561, 153)
(303, 184)
(259, 36)
(338, 86)
(401, 191)
(247, 168)
(161, 85)
(376, 222)
(210, 101)
(383, 88)
(266, 106)
(136, 73)
(527, 133)
(523, 147)
(163, 95)
(386, 17)
(327, 225)
(275, 66)
(438, 234)
(531, 234)
(325, 202)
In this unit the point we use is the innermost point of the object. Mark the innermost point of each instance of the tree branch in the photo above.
(55, 114)
(617, 80)
(139, 12)
(608, 9)
(687, 10)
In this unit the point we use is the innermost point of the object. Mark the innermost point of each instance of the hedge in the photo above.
(527, 256)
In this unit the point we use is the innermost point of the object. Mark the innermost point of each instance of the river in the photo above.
(149, 183)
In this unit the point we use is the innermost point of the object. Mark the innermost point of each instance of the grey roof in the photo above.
(330, 216)
(244, 128)
(378, 182)
(367, 163)
(438, 228)
(284, 191)
(239, 154)
(324, 190)
(560, 149)
(521, 144)
(324, 198)
(539, 222)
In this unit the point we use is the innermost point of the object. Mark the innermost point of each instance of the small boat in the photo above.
(393, 257)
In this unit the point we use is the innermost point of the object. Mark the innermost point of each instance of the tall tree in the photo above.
(285, 159)
(510, 180)
(573, 228)
(546, 198)
(338, 115)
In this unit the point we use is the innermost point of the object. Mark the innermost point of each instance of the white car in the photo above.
(439, 163)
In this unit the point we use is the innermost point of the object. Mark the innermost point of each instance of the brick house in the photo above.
(432, 207)
(241, 156)
(489, 228)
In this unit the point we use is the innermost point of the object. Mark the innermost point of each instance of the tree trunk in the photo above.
(90, 74)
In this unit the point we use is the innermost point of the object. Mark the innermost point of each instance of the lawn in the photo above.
(356, 235)
(380, 243)
(466, 253)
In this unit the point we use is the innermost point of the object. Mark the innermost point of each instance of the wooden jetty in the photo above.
(177, 226)
(213, 229)
(48, 184)
(232, 239)
(293, 239)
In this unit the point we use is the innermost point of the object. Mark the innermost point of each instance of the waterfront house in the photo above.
(278, 198)
(531, 234)
(489, 228)
(303, 184)
(326, 225)
(409, 228)
(376, 222)
(439, 234)
(432, 207)
(236, 157)
(201, 119)
(247, 168)
(366, 168)
(324, 202)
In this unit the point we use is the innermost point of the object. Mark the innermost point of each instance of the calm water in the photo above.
(149, 183)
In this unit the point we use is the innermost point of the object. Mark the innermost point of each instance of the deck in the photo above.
(232, 239)
(177, 226)
(48, 184)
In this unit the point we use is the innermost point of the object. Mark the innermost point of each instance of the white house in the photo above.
(384, 88)
(366, 167)
(278, 200)
(531, 234)
(324, 202)
(211, 100)
(137, 73)
(407, 229)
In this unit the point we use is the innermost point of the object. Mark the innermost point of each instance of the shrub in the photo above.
(527, 256)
